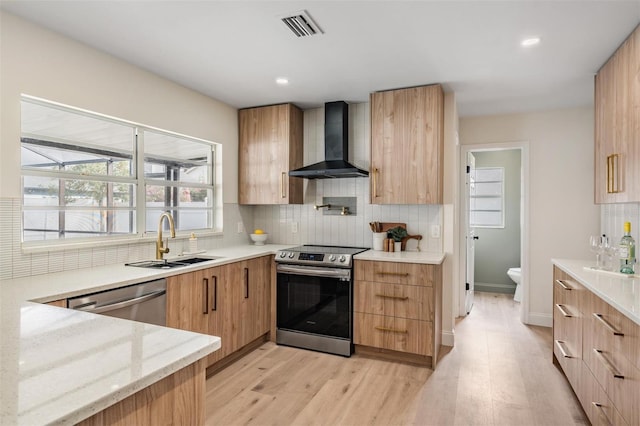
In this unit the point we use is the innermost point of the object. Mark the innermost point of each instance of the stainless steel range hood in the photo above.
(336, 147)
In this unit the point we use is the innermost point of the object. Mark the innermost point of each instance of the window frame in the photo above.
(136, 178)
(501, 197)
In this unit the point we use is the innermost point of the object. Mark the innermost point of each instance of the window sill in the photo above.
(54, 246)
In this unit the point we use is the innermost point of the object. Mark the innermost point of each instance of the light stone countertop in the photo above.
(60, 366)
(620, 292)
(432, 258)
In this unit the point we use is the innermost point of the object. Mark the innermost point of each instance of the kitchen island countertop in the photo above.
(60, 366)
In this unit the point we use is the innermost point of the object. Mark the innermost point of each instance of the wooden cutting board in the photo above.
(388, 225)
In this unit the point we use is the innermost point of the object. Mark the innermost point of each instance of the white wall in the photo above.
(38, 62)
(562, 212)
(41, 63)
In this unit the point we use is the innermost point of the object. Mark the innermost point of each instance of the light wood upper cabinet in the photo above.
(407, 142)
(617, 125)
(270, 146)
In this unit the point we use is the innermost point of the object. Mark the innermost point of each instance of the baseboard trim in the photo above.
(495, 288)
(537, 318)
(448, 338)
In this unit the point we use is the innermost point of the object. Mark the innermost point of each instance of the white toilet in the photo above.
(516, 275)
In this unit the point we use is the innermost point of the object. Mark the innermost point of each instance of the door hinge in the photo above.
(468, 169)
(466, 287)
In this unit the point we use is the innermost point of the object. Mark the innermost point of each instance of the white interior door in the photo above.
(471, 237)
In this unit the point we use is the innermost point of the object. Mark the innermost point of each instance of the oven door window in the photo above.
(314, 305)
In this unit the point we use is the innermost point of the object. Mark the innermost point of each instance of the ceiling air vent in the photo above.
(301, 24)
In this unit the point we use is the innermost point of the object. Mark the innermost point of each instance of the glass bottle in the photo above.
(627, 251)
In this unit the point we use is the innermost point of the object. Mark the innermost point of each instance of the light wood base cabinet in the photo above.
(175, 400)
(397, 308)
(230, 301)
(599, 356)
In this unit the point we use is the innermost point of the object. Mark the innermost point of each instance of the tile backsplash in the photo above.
(15, 264)
(613, 217)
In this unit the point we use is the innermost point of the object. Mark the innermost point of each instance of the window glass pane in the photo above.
(486, 203)
(488, 188)
(479, 218)
(172, 158)
(40, 191)
(190, 207)
(489, 174)
(55, 223)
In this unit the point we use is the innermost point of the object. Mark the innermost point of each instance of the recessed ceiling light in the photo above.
(530, 41)
(282, 81)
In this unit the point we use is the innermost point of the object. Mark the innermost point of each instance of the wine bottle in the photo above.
(627, 251)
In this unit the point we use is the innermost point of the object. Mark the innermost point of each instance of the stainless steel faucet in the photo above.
(161, 249)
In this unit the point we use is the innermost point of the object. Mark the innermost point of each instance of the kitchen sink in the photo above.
(170, 264)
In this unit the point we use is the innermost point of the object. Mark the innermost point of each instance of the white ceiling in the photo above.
(234, 50)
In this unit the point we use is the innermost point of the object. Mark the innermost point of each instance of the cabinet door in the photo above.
(270, 145)
(255, 300)
(407, 146)
(188, 301)
(617, 125)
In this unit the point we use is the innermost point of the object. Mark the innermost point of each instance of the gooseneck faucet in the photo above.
(161, 249)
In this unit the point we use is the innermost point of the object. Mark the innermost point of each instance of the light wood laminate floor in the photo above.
(499, 373)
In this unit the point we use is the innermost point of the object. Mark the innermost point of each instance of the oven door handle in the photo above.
(315, 272)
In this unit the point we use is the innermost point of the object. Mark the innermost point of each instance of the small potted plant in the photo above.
(397, 234)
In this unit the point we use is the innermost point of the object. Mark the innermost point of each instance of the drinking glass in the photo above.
(595, 244)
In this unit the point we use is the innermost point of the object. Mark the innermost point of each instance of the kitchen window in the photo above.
(486, 193)
(85, 175)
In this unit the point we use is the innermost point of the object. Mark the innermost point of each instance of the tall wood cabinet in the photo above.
(230, 301)
(407, 142)
(397, 307)
(617, 125)
(270, 146)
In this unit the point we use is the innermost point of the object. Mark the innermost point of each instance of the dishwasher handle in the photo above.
(113, 306)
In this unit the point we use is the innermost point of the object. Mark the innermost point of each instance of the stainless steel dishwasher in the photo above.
(144, 302)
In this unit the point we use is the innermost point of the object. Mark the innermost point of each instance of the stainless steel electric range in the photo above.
(314, 298)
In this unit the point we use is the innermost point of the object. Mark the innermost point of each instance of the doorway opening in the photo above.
(494, 218)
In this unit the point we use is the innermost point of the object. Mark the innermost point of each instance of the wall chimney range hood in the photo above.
(336, 147)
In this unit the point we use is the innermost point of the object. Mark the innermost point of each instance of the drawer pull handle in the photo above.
(395, 274)
(384, 296)
(205, 299)
(601, 412)
(563, 285)
(615, 373)
(564, 313)
(564, 353)
(606, 325)
(391, 330)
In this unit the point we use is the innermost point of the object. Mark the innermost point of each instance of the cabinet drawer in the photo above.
(396, 273)
(404, 301)
(398, 334)
(597, 405)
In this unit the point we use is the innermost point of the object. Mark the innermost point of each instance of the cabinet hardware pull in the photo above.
(606, 324)
(205, 299)
(215, 293)
(563, 285)
(283, 194)
(564, 353)
(384, 296)
(391, 330)
(564, 313)
(395, 274)
(612, 370)
(246, 283)
(613, 174)
(375, 183)
(601, 412)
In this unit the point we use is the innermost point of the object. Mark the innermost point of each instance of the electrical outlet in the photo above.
(435, 231)
(240, 227)
(294, 227)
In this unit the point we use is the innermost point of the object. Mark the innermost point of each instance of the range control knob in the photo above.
(332, 258)
(343, 259)
(291, 255)
(283, 254)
